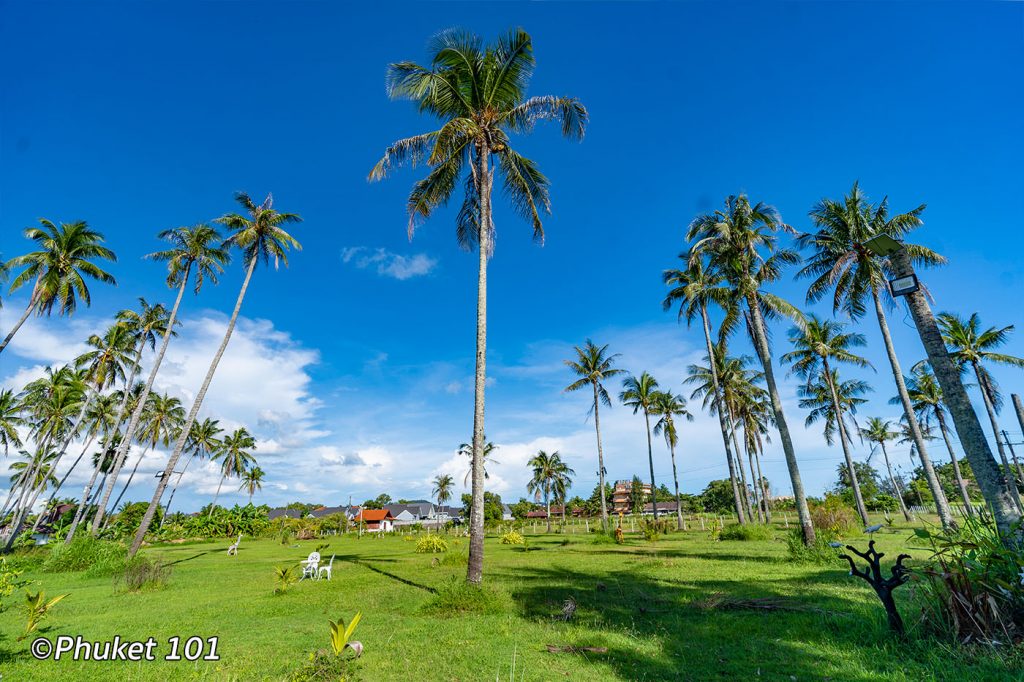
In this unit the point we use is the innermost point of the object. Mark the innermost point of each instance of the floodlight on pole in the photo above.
(884, 245)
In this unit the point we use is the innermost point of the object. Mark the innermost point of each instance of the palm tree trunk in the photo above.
(764, 354)
(475, 564)
(32, 300)
(892, 480)
(129, 482)
(64, 478)
(941, 505)
(174, 488)
(214, 503)
(765, 493)
(600, 461)
(720, 408)
(83, 505)
(547, 506)
(841, 426)
(744, 487)
(675, 479)
(650, 460)
(1008, 478)
(961, 484)
(754, 486)
(129, 434)
(179, 446)
(965, 419)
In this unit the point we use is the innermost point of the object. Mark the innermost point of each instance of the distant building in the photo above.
(376, 520)
(622, 496)
(663, 508)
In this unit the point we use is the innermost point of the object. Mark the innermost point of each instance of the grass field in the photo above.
(636, 599)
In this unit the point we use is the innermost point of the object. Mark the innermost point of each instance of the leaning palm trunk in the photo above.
(32, 300)
(965, 419)
(744, 487)
(650, 460)
(128, 482)
(941, 505)
(766, 496)
(764, 354)
(475, 565)
(755, 488)
(845, 441)
(720, 408)
(64, 478)
(216, 495)
(129, 434)
(179, 446)
(892, 481)
(83, 507)
(675, 479)
(960, 483)
(174, 489)
(1008, 476)
(600, 462)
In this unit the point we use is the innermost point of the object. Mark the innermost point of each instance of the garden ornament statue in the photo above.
(872, 573)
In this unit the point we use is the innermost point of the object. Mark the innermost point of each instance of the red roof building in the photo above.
(376, 520)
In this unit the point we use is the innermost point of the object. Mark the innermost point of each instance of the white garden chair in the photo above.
(320, 571)
(310, 565)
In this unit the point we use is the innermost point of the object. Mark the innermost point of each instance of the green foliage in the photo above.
(883, 503)
(833, 515)
(651, 529)
(10, 580)
(973, 586)
(86, 553)
(492, 506)
(513, 538)
(715, 529)
(285, 577)
(431, 544)
(717, 497)
(821, 552)
(37, 608)
(599, 537)
(341, 635)
(867, 478)
(143, 573)
(747, 532)
(521, 508)
(454, 559)
(250, 521)
(456, 595)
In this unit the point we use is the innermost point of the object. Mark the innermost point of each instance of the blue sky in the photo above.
(354, 365)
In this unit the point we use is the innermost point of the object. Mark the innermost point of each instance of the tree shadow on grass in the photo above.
(837, 636)
(352, 558)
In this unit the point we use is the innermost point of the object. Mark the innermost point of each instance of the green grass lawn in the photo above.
(635, 599)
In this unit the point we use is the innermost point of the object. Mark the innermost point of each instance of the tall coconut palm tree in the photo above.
(102, 462)
(234, 457)
(668, 406)
(593, 365)
(971, 346)
(695, 288)
(11, 419)
(816, 397)
(735, 382)
(466, 450)
(741, 242)
(260, 237)
(926, 397)
(879, 431)
(754, 414)
(252, 480)
(442, 489)
(639, 393)
(550, 475)
(163, 417)
(478, 94)
(841, 265)
(57, 270)
(195, 252)
(144, 326)
(819, 345)
(203, 441)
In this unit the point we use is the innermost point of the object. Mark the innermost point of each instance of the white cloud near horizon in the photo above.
(387, 263)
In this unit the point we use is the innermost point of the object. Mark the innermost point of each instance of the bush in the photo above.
(143, 572)
(454, 559)
(513, 538)
(651, 529)
(833, 516)
(821, 552)
(458, 596)
(86, 553)
(431, 544)
(882, 503)
(747, 532)
(972, 587)
(602, 538)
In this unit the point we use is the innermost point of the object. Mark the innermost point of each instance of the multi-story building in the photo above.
(622, 496)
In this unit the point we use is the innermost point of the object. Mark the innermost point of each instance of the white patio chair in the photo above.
(310, 565)
(325, 569)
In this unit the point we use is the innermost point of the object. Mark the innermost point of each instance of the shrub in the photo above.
(821, 552)
(833, 515)
(513, 538)
(458, 596)
(86, 553)
(651, 529)
(747, 532)
(143, 572)
(715, 529)
(454, 559)
(602, 538)
(10, 579)
(972, 586)
(285, 576)
(431, 544)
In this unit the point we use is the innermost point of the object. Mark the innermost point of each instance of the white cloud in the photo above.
(387, 263)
